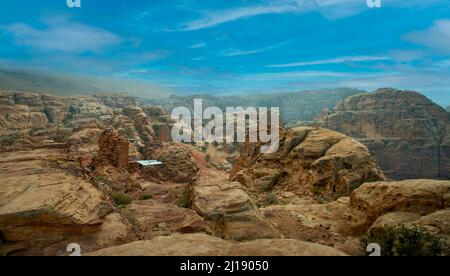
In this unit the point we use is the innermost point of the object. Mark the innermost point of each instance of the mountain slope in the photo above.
(408, 133)
(64, 85)
(294, 106)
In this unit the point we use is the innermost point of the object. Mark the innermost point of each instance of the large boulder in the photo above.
(152, 219)
(229, 210)
(437, 222)
(310, 161)
(408, 133)
(41, 205)
(417, 196)
(179, 165)
(204, 245)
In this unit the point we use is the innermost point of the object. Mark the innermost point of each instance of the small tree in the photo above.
(403, 240)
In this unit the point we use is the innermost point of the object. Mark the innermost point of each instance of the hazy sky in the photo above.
(227, 46)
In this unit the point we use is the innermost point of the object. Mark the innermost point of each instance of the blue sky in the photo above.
(231, 47)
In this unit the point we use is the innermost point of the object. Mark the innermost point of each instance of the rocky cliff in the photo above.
(408, 133)
(310, 161)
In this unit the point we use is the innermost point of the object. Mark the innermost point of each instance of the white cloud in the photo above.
(198, 45)
(437, 37)
(233, 53)
(332, 61)
(331, 9)
(215, 18)
(237, 52)
(198, 58)
(64, 35)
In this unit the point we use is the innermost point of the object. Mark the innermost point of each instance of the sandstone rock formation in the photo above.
(415, 196)
(408, 133)
(29, 110)
(154, 219)
(20, 113)
(229, 210)
(188, 245)
(113, 149)
(42, 205)
(310, 161)
(178, 163)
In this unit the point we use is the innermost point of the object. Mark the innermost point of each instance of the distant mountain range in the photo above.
(63, 84)
(294, 106)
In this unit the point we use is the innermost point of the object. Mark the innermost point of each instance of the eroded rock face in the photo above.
(21, 114)
(188, 245)
(408, 133)
(310, 161)
(28, 110)
(229, 210)
(42, 205)
(113, 149)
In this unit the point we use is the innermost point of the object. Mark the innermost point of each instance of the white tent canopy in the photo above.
(148, 163)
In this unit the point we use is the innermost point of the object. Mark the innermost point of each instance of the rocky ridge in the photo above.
(408, 133)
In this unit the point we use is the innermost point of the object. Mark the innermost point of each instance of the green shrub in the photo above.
(271, 199)
(406, 241)
(318, 190)
(8, 139)
(183, 200)
(146, 197)
(121, 198)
